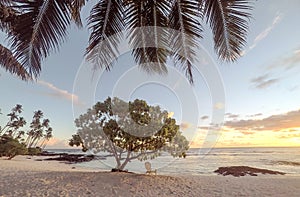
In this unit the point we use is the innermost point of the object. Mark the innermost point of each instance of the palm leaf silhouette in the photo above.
(36, 28)
(184, 18)
(106, 19)
(10, 64)
(149, 41)
(228, 20)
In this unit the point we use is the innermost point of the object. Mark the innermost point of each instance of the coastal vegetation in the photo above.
(129, 130)
(15, 140)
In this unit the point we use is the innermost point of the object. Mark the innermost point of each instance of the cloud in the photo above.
(247, 132)
(204, 127)
(219, 105)
(211, 127)
(204, 117)
(57, 143)
(262, 35)
(56, 92)
(287, 62)
(293, 130)
(264, 81)
(230, 115)
(288, 136)
(279, 122)
(266, 31)
(185, 125)
(255, 115)
(198, 139)
(294, 88)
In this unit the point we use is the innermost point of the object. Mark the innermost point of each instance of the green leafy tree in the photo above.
(10, 134)
(35, 28)
(129, 131)
(10, 147)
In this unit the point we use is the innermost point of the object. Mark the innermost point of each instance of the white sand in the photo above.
(27, 177)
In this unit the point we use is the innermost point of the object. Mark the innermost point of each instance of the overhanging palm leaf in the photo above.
(38, 27)
(106, 20)
(38, 30)
(184, 18)
(228, 20)
(75, 7)
(149, 41)
(7, 15)
(9, 63)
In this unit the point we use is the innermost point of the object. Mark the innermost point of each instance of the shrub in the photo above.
(11, 147)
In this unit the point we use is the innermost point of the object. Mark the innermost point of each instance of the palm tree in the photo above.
(15, 121)
(46, 138)
(37, 27)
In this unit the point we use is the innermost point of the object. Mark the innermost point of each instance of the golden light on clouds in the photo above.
(258, 138)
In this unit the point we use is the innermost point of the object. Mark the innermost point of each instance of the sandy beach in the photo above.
(29, 176)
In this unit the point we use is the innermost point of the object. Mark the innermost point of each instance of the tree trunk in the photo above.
(124, 164)
(10, 157)
(126, 161)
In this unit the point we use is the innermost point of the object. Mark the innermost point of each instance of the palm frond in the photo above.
(7, 15)
(38, 30)
(144, 21)
(75, 7)
(105, 22)
(184, 19)
(229, 22)
(10, 64)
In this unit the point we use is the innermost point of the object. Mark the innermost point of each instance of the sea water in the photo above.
(206, 161)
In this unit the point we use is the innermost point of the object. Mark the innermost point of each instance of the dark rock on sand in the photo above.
(244, 170)
(72, 158)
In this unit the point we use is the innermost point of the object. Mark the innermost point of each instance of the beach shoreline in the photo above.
(22, 176)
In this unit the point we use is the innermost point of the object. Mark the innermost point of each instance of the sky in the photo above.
(253, 102)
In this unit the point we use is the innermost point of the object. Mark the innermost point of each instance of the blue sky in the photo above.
(262, 88)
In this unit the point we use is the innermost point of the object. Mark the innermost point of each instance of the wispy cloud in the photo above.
(266, 31)
(263, 81)
(247, 132)
(262, 35)
(287, 62)
(204, 117)
(185, 125)
(281, 122)
(255, 115)
(230, 115)
(57, 92)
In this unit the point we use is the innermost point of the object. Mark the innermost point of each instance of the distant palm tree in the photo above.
(46, 138)
(37, 27)
(15, 121)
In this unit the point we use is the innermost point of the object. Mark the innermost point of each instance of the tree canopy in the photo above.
(129, 130)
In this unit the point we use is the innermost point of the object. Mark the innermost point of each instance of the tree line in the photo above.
(15, 140)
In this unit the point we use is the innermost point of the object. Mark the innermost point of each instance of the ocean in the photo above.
(205, 162)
